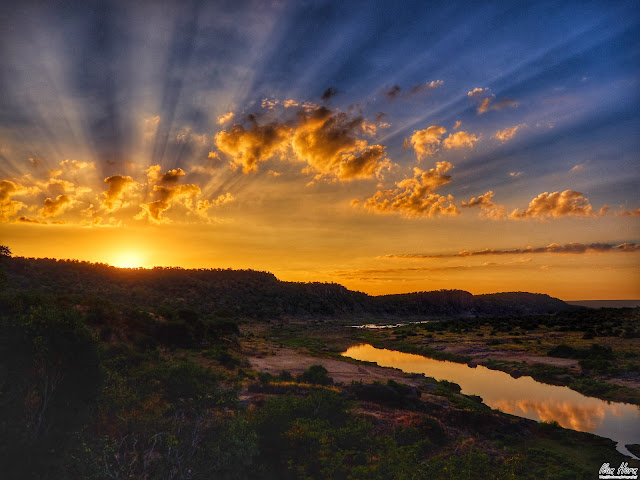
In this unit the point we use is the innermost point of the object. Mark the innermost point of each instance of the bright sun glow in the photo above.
(128, 260)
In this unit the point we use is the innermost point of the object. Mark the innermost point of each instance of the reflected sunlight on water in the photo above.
(522, 396)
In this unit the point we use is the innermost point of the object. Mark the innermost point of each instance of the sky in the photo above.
(386, 146)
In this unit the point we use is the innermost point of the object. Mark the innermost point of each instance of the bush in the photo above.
(317, 375)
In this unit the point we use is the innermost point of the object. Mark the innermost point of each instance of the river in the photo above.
(522, 396)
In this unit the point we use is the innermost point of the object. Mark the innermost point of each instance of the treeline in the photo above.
(253, 294)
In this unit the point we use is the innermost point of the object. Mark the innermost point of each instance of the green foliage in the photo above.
(317, 375)
(49, 379)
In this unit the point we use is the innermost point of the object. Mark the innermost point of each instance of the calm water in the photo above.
(522, 396)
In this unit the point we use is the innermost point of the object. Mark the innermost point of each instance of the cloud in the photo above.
(629, 213)
(395, 92)
(577, 168)
(329, 142)
(414, 196)
(460, 140)
(76, 165)
(457, 125)
(554, 248)
(482, 201)
(515, 174)
(556, 204)
(23, 219)
(57, 186)
(9, 207)
(150, 127)
(203, 205)
(171, 177)
(488, 209)
(425, 142)
(119, 185)
(167, 196)
(53, 208)
(328, 93)
(424, 87)
(508, 133)
(222, 119)
(488, 101)
(477, 92)
(248, 147)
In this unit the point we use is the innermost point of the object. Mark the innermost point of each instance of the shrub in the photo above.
(317, 375)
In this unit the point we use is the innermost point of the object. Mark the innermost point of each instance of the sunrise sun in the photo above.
(128, 259)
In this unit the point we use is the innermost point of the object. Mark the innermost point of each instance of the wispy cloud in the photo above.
(554, 248)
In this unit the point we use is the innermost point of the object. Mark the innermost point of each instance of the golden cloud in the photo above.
(508, 133)
(488, 209)
(119, 185)
(328, 142)
(460, 140)
(9, 207)
(249, 147)
(482, 201)
(556, 204)
(425, 142)
(167, 196)
(476, 92)
(222, 119)
(76, 165)
(414, 196)
(629, 213)
(55, 207)
(23, 219)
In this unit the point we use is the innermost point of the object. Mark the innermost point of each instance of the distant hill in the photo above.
(606, 303)
(250, 294)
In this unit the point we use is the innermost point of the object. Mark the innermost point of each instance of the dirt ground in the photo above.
(344, 372)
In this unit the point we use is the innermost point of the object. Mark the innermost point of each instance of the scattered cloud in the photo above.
(415, 197)
(329, 93)
(425, 142)
(222, 119)
(9, 207)
(248, 147)
(167, 196)
(577, 168)
(482, 201)
(53, 208)
(515, 174)
(76, 165)
(329, 142)
(569, 248)
(477, 92)
(203, 205)
(150, 127)
(508, 133)
(556, 204)
(23, 219)
(395, 92)
(460, 140)
(488, 209)
(119, 185)
(457, 125)
(629, 213)
(487, 101)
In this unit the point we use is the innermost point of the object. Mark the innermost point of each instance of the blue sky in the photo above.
(332, 103)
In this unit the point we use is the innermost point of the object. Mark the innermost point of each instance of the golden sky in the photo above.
(471, 153)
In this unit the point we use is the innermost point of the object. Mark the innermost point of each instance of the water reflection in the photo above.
(522, 396)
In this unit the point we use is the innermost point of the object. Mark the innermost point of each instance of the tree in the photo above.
(5, 251)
